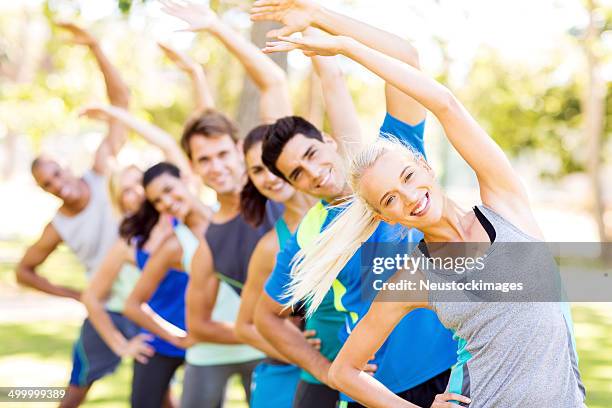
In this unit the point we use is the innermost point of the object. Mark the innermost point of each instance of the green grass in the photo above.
(38, 353)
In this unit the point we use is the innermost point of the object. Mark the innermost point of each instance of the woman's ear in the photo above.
(379, 217)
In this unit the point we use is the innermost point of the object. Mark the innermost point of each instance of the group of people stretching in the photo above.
(269, 284)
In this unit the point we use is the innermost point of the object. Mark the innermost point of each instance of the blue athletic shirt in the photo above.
(168, 301)
(419, 348)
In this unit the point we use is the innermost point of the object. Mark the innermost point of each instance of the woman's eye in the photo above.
(390, 200)
(408, 176)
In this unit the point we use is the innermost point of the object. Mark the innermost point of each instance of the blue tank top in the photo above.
(168, 301)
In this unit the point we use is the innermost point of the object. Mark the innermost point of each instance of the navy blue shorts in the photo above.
(92, 359)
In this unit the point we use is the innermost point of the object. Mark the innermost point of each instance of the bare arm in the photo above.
(136, 308)
(201, 298)
(267, 76)
(260, 266)
(116, 90)
(346, 372)
(94, 298)
(34, 256)
(151, 133)
(201, 90)
(500, 186)
(338, 105)
(271, 321)
(298, 14)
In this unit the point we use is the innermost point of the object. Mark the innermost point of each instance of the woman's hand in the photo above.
(198, 16)
(443, 401)
(138, 348)
(79, 35)
(180, 59)
(312, 340)
(311, 45)
(98, 112)
(296, 15)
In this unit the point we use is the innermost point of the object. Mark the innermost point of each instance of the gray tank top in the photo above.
(92, 232)
(511, 353)
(232, 244)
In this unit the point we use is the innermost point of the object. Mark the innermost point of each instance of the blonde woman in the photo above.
(510, 354)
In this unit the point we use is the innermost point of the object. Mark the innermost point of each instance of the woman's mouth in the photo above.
(422, 206)
(276, 187)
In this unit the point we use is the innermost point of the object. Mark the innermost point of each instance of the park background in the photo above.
(536, 74)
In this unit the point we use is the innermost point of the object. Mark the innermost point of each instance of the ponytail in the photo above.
(317, 265)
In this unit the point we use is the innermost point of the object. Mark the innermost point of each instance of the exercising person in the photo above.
(210, 142)
(159, 294)
(503, 343)
(107, 330)
(297, 152)
(275, 382)
(84, 222)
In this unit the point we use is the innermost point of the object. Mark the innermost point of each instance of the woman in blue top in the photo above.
(274, 380)
(160, 294)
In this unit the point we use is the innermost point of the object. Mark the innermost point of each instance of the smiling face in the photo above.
(130, 191)
(402, 189)
(313, 167)
(218, 161)
(56, 180)
(169, 195)
(272, 187)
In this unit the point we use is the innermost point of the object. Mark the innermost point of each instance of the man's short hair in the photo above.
(279, 134)
(210, 123)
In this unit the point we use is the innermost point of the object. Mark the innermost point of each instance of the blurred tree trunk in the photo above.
(248, 109)
(594, 100)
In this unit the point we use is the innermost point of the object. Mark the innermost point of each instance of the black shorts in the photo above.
(151, 380)
(423, 394)
(308, 395)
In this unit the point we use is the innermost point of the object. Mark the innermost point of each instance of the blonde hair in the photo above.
(317, 265)
(114, 182)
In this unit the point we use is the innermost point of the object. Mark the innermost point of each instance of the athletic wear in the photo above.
(92, 358)
(232, 244)
(274, 382)
(511, 354)
(93, 231)
(204, 386)
(310, 395)
(122, 287)
(405, 360)
(226, 309)
(422, 395)
(151, 381)
(168, 301)
(274, 385)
